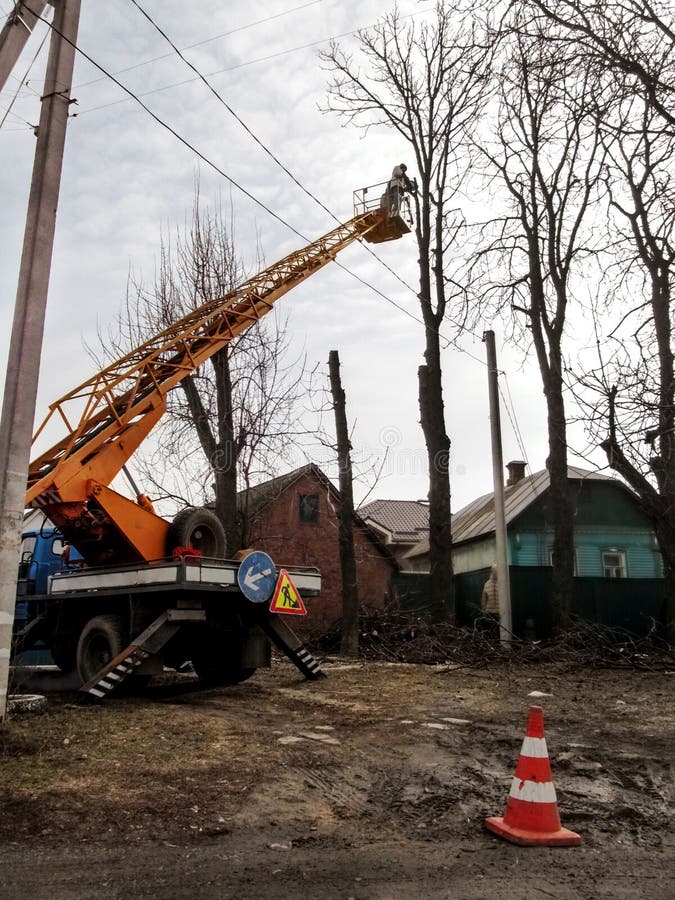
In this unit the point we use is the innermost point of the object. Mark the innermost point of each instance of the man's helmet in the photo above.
(403, 167)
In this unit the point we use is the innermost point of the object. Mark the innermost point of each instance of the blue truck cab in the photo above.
(43, 552)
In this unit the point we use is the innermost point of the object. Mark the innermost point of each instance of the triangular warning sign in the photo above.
(286, 598)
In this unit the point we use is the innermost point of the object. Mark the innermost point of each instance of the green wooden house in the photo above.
(618, 567)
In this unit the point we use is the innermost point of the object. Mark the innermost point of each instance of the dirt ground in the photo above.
(372, 783)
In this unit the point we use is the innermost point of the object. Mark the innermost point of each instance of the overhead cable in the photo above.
(210, 40)
(229, 178)
(21, 84)
(279, 163)
(217, 168)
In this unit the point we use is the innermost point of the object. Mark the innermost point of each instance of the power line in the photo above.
(217, 168)
(210, 40)
(243, 190)
(21, 84)
(281, 165)
(227, 106)
(511, 413)
(200, 76)
(241, 65)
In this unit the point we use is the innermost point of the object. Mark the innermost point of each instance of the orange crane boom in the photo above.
(108, 416)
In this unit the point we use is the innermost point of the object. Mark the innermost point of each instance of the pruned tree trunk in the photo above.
(224, 463)
(441, 585)
(429, 84)
(562, 585)
(349, 645)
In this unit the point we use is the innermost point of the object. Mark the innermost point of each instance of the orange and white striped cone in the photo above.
(531, 818)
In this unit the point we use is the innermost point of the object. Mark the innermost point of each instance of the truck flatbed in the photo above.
(194, 573)
(112, 622)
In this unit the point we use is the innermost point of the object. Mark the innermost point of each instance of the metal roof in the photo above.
(406, 520)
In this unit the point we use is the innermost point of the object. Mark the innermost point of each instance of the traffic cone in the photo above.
(531, 818)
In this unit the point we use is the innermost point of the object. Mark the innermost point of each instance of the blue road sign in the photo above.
(257, 577)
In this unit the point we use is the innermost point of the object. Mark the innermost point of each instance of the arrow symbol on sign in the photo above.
(252, 578)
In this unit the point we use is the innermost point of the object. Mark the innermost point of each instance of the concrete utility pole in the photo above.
(23, 367)
(503, 582)
(16, 31)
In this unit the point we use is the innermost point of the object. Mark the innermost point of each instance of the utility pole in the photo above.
(503, 582)
(16, 31)
(23, 367)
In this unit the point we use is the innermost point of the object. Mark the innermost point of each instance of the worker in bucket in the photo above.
(399, 183)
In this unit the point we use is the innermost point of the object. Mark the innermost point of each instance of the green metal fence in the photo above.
(635, 605)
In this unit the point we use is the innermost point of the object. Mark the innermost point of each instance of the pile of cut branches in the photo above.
(395, 636)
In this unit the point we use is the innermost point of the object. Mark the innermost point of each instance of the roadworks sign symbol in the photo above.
(286, 598)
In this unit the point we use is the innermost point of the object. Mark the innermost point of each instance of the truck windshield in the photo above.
(28, 545)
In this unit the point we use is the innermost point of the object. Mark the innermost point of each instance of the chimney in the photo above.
(516, 471)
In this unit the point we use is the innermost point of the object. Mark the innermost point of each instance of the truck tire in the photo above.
(102, 638)
(200, 529)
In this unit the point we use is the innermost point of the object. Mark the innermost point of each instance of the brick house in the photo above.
(294, 518)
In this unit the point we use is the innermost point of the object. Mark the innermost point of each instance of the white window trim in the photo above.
(623, 558)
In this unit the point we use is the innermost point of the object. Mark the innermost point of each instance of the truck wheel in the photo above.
(200, 529)
(102, 638)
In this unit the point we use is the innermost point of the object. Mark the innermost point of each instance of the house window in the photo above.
(614, 563)
(309, 508)
(550, 558)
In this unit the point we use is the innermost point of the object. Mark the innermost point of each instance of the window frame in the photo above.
(622, 555)
(311, 517)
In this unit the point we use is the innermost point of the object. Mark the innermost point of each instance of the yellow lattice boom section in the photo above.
(108, 416)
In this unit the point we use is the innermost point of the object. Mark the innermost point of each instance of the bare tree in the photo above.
(234, 418)
(630, 392)
(349, 645)
(630, 45)
(428, 84)
(631, 38)
(640, 381)
(547, 154)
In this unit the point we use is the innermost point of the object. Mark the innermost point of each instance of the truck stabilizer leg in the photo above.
(122, 666)
(148, 642)
(283, 637)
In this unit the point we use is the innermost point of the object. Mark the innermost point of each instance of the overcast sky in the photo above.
(125, 177)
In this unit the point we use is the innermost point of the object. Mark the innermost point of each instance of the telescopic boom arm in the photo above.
(107, 417)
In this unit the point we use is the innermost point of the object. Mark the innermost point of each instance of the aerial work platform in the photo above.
(392, 225)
